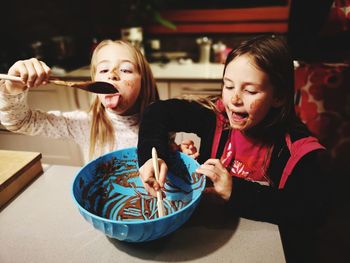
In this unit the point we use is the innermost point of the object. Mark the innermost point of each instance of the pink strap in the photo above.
(297, 150)
(218, 129)
(217, 135)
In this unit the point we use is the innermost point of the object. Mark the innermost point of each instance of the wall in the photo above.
(30, 22)
(27, 22)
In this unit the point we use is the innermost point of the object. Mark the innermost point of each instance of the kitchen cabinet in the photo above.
(50, 97)
(163, 90)
(195, 88)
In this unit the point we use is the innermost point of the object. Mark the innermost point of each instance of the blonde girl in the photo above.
(113, 120)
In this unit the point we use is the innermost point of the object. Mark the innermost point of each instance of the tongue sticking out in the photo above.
(112, 101)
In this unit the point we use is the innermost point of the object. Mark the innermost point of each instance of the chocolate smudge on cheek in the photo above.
(254, 106)
(128, 83)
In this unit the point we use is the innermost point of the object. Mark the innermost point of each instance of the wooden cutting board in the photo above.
(17, 170)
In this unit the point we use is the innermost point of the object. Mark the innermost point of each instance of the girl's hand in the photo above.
(32, 72)
(188, 147)
(148, 179)
(217, 173)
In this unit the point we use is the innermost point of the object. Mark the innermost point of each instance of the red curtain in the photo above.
(324, 105)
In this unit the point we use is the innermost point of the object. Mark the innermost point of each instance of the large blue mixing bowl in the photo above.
(110, 195)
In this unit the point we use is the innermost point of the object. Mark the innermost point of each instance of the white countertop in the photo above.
(43, 224)
(188, 71)
(172, 71)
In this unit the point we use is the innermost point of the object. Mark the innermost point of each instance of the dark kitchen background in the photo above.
(63, 32)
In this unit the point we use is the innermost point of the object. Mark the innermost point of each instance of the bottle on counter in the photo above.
(204, 44)
(219, 49)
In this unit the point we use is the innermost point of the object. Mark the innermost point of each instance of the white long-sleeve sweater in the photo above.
(17, 117)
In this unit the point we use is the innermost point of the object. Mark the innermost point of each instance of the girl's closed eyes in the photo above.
(102, 71)
(127, 68)
(229, 87)
(249, 90)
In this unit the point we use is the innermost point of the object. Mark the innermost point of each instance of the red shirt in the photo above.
(246, 158)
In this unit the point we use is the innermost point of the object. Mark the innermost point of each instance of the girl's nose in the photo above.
(113, 75)
(236, 99)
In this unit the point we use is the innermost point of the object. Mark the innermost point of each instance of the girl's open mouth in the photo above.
(239, 116)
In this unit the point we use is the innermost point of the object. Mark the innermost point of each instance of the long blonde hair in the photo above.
(102, 131)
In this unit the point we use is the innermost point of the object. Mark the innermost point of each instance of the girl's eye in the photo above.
(229, 87)
(124, 70)
(252, 92)
(103, 71)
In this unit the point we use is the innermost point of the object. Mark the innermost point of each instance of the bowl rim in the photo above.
(139, 221)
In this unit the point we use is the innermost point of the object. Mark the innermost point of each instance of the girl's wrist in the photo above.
(228, 189)
(226, 196)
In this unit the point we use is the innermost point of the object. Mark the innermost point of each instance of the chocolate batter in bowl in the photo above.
(110, 195)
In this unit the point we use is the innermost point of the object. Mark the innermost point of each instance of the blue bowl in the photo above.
(110, 195)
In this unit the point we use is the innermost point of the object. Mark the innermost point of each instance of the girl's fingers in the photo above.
(210, 167)
(213, 169)
(217, 173)
(148, 181)
(187, 142)
(212, 162)
(193, 148)
(188, 147)
(152, 186)
(208, 172)
(19, 69)
(40, 72)
(148, 178)
(32, 75)
(47, 70)
(163, 170)
(32, 71)
(195, 155)
(217, 164)
(45, 67)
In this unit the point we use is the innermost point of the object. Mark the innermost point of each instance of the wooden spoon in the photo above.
(160, 204)
(91, 86)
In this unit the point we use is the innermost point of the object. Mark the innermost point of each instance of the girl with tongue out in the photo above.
(258, 156)
(113, 120)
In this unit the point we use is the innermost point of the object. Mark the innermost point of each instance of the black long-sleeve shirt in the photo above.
(301, 201)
